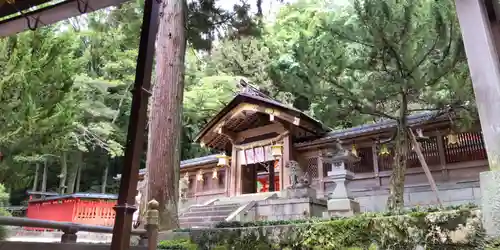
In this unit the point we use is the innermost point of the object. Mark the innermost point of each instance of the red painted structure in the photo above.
(83, 208)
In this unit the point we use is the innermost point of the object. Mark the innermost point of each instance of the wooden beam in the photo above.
(229, 134)
(428, 173)
(275, 127)
(272, 112)
(52, 14)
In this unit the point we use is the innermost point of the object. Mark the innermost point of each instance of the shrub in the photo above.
(450, 229)
(179, 244)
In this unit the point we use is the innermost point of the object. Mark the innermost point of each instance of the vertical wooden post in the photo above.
(321, 174)
(442, 156)
(484, 67)
(376, 171)
(271, 177)
(195, 193)
(135, 134)
(428, 173)
(232, 172)
(287, 156)
(152, 221)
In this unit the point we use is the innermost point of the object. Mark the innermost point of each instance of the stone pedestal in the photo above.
(339, 201)
(490, 201)
(303, 192)
(341, 208)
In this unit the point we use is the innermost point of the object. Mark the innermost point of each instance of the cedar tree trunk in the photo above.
(35, 181)
(64, 174)
(73, 171)
(163, 155)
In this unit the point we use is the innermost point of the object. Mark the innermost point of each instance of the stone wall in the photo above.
(289, 209)
(375, 199)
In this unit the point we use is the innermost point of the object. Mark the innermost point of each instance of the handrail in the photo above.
(63, 226)
(148, 236)
(243, 209)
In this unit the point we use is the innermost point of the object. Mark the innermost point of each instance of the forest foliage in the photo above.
(66, 88)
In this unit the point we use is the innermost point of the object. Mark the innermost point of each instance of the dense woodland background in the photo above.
(65, 89)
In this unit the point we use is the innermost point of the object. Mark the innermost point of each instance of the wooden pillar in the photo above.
(195, 193)
(442, 158)
(233, 172)
(484, 67)
(376, 171)
(321, 174)
(271, 177)
(287, 156)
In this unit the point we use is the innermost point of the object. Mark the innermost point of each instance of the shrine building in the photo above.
(257, 136)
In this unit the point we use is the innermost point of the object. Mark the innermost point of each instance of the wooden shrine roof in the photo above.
(256, 108)
(375, 128)
(20, 15)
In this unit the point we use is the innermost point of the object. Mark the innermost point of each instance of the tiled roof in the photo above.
(192, 162)
(367, 128)
(81, 196)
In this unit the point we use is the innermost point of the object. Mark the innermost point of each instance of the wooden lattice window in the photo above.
(206, 185)
(312, 168)
(429, 150)
(365, 164)
(470, 147)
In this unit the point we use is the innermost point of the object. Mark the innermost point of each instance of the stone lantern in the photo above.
(339, 201)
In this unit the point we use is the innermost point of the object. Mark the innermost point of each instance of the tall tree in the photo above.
(163, 157)
(387, 60)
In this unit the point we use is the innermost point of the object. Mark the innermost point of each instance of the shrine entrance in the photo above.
(260, 177)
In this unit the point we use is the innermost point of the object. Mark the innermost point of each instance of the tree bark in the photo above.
(35, 181)
(395, 201)
(44, 176)
(105, 178)
(78, 178)
(163, 157)
(64, 173)
(73, 172)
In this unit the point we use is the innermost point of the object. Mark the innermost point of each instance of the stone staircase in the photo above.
(210, 214)
(206, 216)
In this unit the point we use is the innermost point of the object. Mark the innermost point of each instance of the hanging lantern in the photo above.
(354, 151)
(199, 176)
(277, 151)
(215, 173)
(223, 160)
(452, 138)
(384, 150)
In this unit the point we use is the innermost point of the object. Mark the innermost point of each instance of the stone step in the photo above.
(204, 219)
(196, 224)
(214, 208)
(222, 212)
(244, 198)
